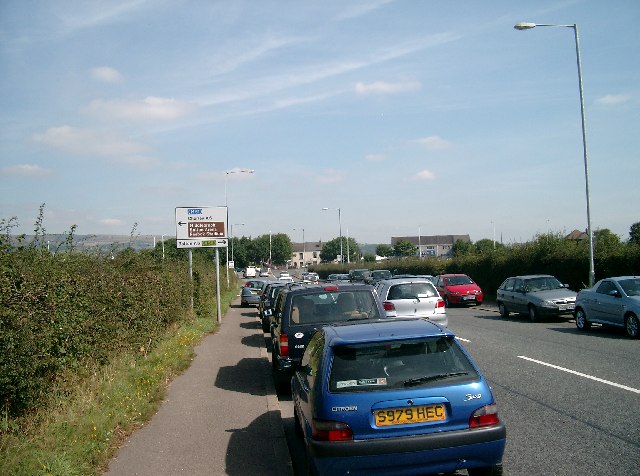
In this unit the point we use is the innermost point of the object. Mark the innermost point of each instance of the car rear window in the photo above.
(411, 291)
(333, 306)
(398, 364)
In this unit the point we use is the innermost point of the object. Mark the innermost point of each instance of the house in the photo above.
(305, 254)
(435, 245)
(577, 235)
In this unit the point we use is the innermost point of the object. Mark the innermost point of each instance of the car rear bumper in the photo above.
(418, 454)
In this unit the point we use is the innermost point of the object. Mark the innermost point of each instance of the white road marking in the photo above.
(463, 340)
(591, 377)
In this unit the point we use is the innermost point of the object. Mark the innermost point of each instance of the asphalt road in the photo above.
(570, 400)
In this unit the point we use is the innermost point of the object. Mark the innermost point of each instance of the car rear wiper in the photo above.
(430, 378)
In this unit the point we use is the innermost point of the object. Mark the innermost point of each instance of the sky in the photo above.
(401, 117)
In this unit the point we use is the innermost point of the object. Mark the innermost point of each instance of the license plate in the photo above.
(408, 415)
(469, 298)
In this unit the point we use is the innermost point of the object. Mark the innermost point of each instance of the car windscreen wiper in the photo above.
(430, 378)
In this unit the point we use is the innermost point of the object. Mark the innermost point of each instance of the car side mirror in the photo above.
(615, 293)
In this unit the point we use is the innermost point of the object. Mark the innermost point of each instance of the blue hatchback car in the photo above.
(397, 396)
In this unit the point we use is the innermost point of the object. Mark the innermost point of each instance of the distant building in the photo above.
(305, 254)
(437, 245)
(577, 235)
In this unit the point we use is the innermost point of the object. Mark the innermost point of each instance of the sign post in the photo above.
(203, 227)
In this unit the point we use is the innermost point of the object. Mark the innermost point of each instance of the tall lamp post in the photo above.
(529, 26)
(340, 226)
(303, 248)
(226, 204)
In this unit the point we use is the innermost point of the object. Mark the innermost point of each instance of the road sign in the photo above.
(201, 227)
(203, 243)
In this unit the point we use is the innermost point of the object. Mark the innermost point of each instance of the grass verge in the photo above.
(80, 434)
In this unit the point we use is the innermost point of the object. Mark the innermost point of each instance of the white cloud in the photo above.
(141, 161)
(106, 74)
(25, 170)
(149, 108)
(424, 175)
(433, 143)
(330, 176)
(382, 87)
(88, 142)
(375, 157)
(613, 99)
(111, 222)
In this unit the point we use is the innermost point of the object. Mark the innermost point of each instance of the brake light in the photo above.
(330, 288)
(484, 416)
(388, 306)
(283, 342)
(323, 430)
(440, 303)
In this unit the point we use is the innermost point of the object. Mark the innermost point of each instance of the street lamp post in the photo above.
(529, 26)
(235, 224)
(304, 251)
(340, 226)
(420, 241)
(226, 176)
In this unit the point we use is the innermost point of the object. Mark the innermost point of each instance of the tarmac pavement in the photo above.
(221, 416)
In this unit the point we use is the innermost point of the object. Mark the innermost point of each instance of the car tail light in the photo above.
(246, 285)
(283, 341)
(330, 288)
(388, 306)
(323, 430)
(484, 416)
(440, 303)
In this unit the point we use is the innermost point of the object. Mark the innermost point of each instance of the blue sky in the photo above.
(427, 116)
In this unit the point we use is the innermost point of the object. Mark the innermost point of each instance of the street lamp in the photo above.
(226, 175)
(340, 225)
(529, 26)
(303, 248)
(234, 224)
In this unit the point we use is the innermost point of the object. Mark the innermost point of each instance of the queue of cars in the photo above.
(379, 382)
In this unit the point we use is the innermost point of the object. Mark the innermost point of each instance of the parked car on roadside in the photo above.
(265, 305)
(359, 275)
(378, 275)
(612, 301)
(412, 297)
(338, 278)
(396, 396)
(458, 289)
(250, 293)
(301, 308)
(537, 295)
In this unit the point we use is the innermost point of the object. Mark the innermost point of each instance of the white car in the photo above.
(412, 297)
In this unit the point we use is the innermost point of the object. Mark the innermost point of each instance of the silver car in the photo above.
(537, 295)
(412, 297)
(612, 301)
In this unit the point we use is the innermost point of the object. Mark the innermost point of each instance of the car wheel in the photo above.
(265, 325)
(490, 471)
(631, 326)
(504, 312)
(533, 313)
(582, 322)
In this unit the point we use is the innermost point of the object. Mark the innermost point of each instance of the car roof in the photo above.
(530, 276)
(620, 278)
(408, 279)
(381, 330)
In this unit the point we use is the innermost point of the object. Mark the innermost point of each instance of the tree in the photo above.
(281, 248)
(484, 246)
(405, 248)
(384, 250)
(462, 248)
(606, 242)
(634, 233)
(331, 250)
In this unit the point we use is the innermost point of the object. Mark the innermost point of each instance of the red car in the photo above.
(458, 289)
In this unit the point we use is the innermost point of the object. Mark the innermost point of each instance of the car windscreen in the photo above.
(411, 291)
(382, 274)
(545, 283)
(630, 286)
(399, 364)
(333, 306)
(458, 280)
